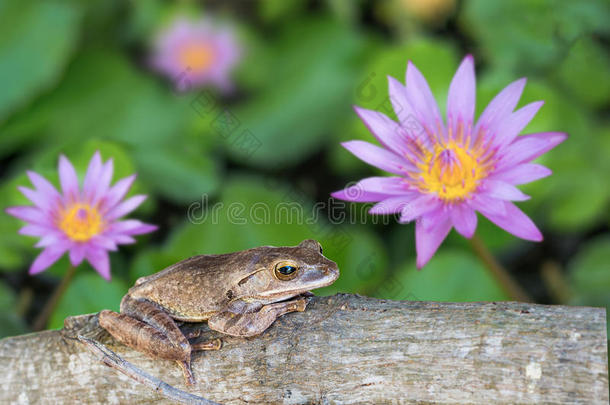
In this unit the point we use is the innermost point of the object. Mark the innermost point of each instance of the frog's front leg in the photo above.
(244, 320)
(145, 327)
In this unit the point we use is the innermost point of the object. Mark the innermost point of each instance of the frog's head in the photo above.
(280, 273)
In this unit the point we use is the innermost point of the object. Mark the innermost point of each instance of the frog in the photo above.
(238, 294)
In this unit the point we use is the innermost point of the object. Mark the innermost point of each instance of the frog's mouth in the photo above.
(283, 297)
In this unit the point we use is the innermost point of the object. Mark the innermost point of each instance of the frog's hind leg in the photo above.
(154, 316)
(146, 328)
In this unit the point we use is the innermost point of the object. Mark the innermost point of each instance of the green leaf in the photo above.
(589, 271)
(36, 39)
(102, 97)
(451, 275)
(88, 293)
(584, 72)
(312, 83)
(10, 323)
(589, 274)
(582, 197)
(279, 10)
(530, 34)
(181, 174)
(7, 297)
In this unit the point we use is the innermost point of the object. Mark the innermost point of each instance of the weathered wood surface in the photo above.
(344, 349)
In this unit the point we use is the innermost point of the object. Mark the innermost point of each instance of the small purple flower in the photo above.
(197, 53)
(447, 172)
(84, 222)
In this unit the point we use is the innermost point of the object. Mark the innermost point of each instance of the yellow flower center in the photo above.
(197, 56)
(452, 171)
(81, 222)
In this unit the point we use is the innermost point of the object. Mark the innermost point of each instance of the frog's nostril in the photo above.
(332, 271)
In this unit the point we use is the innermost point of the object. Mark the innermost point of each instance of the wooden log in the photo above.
(343, 349)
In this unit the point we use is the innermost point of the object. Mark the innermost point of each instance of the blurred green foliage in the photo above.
(75, 79)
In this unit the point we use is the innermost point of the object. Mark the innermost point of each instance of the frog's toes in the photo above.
(301, 304)
(214, 344)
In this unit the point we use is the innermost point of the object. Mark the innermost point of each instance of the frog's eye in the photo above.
(286, 270)
(320, 249)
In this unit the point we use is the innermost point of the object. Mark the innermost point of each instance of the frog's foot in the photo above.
(214, 344)
(193, 334)
(186, 370)
(254, 323)
(298, 305)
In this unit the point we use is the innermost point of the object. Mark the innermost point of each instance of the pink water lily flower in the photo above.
(86, 223)
(447, 171)
(194, 53)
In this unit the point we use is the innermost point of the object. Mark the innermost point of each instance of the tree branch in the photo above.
(345, 349)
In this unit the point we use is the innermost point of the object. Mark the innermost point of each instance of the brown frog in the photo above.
(239, 294)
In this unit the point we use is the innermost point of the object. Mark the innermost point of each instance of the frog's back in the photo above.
(202, 265)
(190, 290)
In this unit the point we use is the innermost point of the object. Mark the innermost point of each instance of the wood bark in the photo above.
(343, 349)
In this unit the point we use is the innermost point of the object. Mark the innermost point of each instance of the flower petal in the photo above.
(104, 242)
(388, 133)
(378, 157)
(373, 189)
(43, 186)
(68, 179)
(355, 194)
(514, 221)
(461, 98)
(464, 220)
(39, 199)
(36, 230)
(77, 253)
(92, 177)
(492, 205)
(30, 214)
(400, 101)
(116, 193)
(503, 191)
(418, 207)
(526, 148)
(523, 173)
(415, 131)
(124, 239)
(125, 207)
(98, 258)
(50, 239)
(130, 227)
(104, 181)
(421, 99)
(390, 205)
(47, 257)
(430, 231)
(502, 105)
(512, 126)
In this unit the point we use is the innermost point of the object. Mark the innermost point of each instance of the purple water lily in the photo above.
(447, 171)
(197, 53)
(84, 222)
